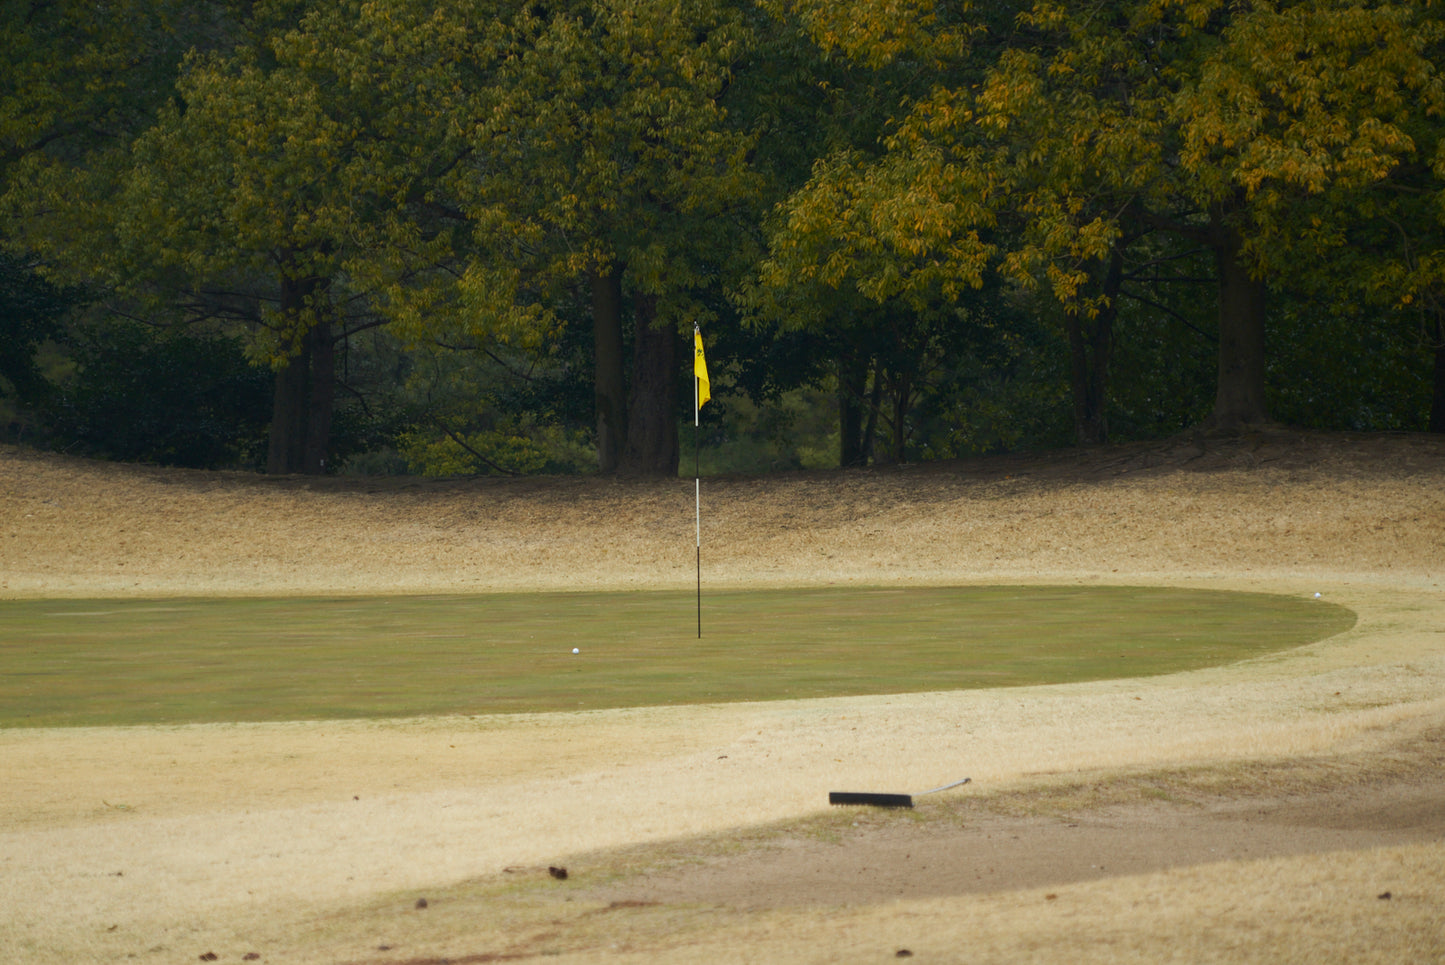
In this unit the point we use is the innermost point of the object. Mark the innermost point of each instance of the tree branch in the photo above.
(458, 440)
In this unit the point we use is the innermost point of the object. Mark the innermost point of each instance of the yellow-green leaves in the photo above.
(1153, 111)
(601, 139)
(881, 31)
(908, 225)
(1307, 95)
(309, 151)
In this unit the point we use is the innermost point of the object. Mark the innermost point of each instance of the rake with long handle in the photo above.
(878, 800)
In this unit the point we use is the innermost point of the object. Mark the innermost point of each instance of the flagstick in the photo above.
(697, 484)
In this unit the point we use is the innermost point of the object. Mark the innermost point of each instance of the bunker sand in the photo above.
(1250, 812)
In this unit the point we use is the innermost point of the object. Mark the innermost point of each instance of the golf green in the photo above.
(104, 662)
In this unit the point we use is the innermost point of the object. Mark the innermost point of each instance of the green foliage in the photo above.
(486, 408)
(1258, 129)
(890, 218)
(1361, 370)
(290, 159)
(1002, 388)
(517, 447)
(165, 397)
(795, 429)
(31, 313)
(78, 82)
(1165, 366)
(77, 75)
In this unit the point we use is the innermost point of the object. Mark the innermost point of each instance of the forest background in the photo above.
(473, 236)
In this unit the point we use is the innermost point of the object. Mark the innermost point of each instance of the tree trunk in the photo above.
(304, 390)
(652, 447)
(875, 402)
(1091, 346)
(902, 399)
(285, 451)
(609, 376)
(320, 398)
(1437, 397)
(852, 383)
(1239, 399)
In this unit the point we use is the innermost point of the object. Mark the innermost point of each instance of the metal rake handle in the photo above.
(945, 787)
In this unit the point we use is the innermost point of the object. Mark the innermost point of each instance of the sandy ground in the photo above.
(1290, 808)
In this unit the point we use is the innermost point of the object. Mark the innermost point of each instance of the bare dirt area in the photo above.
(1288, 808)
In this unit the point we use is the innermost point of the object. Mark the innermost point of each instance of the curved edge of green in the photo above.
(175, 661)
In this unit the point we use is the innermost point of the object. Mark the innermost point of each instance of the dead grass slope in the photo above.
(1268, 504)
(1251, 813)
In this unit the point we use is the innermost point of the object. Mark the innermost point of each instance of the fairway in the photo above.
(107, 662)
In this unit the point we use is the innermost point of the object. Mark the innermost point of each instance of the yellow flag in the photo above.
(699, 369)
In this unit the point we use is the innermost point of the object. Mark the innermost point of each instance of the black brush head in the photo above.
(871, 799)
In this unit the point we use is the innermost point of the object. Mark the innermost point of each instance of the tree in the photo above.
(600, 153)
(165, 396)
(290, 175)
(1291, 114)
(31, 313)
(826, 117)
(1094, 127)
(1387, 253)
(78, 78)
(78, 81)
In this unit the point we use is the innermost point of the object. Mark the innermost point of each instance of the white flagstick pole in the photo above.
(697, 484)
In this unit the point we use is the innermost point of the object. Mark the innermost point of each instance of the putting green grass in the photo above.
(105, 662)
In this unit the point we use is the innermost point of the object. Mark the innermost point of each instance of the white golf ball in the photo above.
(1317, 596)
(575, 650)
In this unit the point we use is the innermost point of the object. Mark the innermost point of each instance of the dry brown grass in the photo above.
(1247, 813)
